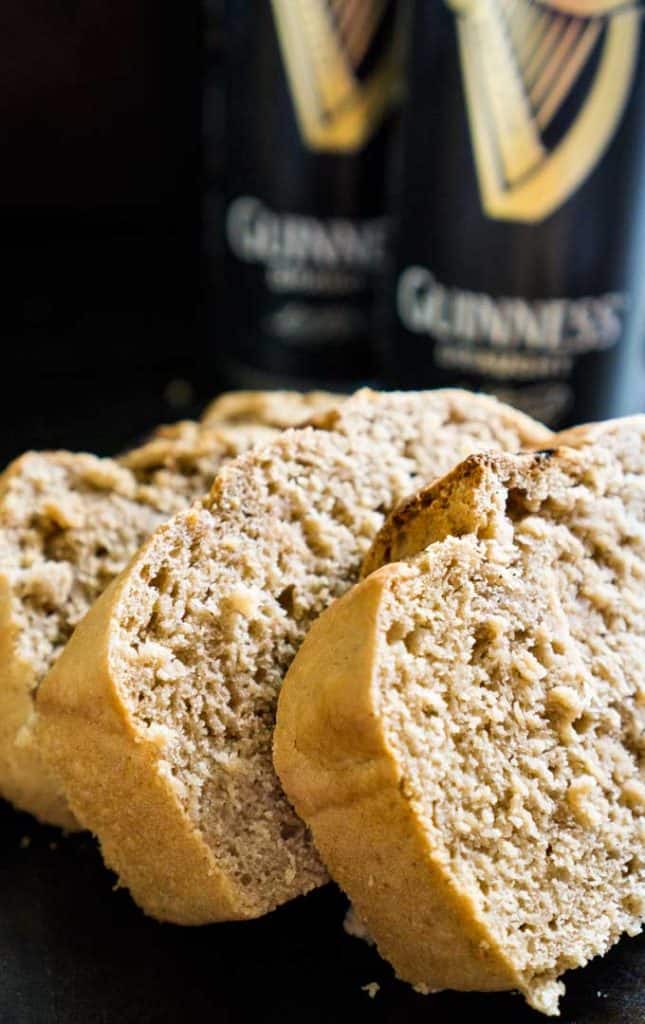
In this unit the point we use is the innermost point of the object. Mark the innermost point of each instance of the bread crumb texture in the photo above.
(503, 711)
(205, 622)
(69, 523)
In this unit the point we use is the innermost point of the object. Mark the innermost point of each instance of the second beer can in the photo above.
(519, 229)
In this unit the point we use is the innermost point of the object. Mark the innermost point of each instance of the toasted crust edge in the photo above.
(111, 774)
(276, 408)
(404, 529)
(450, 505)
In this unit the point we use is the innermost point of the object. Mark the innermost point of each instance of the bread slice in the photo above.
(159, 715)
(68, 524)
(464, 730)
(269, 408)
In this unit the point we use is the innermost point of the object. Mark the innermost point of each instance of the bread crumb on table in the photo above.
(353, 926)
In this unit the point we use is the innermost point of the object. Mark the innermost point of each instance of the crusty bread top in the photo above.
(450, 505)
(417, 520)
(479, 788)
(204, 623)
(270, 408)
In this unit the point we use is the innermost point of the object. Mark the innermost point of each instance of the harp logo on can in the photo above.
(343, 64)
(546, 83)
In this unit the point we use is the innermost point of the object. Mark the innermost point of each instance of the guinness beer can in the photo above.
(310, 89)
(519, 233)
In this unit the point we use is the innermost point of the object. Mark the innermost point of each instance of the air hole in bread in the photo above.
(286, 599)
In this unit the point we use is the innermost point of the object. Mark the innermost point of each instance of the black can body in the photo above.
(310, 98)
(519, 225)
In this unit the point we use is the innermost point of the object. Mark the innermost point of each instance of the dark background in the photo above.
(101, 329)
(100, 181)
(75, 951)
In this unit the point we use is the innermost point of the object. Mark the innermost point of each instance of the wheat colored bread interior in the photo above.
(181, 460)
(69, 523)
(269, 408)
(463, 731)
(188, 649)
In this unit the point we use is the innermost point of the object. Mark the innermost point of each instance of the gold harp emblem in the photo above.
(520, 61)
(340, 87)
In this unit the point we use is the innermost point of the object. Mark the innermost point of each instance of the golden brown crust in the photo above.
(89, 727)
(333, 760)
(451, 505)
(416, 521)
(270, 408)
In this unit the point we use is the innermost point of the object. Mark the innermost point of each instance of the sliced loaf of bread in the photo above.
(68, 524)
(159, 715)
(464, 730)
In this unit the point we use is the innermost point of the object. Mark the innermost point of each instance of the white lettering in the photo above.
(257, 234)
(566, 326)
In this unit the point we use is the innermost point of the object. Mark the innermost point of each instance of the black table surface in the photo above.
(75, 950)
